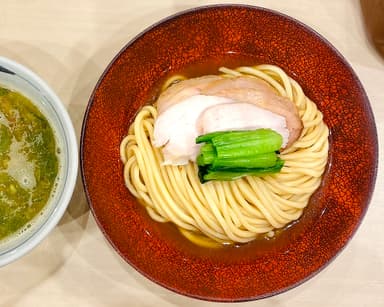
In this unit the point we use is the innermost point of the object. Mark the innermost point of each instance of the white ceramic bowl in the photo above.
(19, 78)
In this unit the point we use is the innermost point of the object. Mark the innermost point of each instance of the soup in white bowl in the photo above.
(38, 160)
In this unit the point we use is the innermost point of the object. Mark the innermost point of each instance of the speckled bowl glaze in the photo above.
(204, 39)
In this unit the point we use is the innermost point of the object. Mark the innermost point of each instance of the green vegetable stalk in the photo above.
(229, 155)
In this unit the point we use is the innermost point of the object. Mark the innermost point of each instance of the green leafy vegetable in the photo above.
(229, 155)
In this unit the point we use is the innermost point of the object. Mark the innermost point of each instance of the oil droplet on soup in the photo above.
(28, 162)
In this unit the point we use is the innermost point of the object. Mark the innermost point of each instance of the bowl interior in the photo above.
(20, 79)
(198, 42)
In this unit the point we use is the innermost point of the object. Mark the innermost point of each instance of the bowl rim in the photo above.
(59, 209)
(192, 10)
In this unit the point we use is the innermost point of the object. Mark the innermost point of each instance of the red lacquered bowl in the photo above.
(199, 41)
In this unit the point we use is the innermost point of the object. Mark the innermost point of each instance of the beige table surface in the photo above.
(69, 43)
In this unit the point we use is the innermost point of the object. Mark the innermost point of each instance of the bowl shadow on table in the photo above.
(78, 212)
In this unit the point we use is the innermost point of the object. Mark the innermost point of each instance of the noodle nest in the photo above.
(228, 211)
